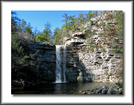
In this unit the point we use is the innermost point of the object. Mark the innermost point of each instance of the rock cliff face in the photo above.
(96, 65)
(99, 63)
(41, 68)
(82, 64)
(46, 60)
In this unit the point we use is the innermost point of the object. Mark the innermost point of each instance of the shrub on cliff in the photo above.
(113, 28)
(110, 25)
(20, 56)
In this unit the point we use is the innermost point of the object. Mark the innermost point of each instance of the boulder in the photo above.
(104, 91)
(120, 91)
(99, 90)
(67, 38)
(16, 83)
(89, 79)
(76, 33)
(94, 27)
(112, 91)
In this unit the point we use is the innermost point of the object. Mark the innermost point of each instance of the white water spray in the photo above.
(60, 64)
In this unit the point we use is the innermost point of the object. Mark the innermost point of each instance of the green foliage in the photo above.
(103, 49)
(14, 21)
(101, 33)
(96, 24)
(92, 46)
(57, 36)
(88, 35)
(17, 52)
(15, 44)
(102, 23)
(21, 59)
(28, 29)
(119, 22)
(89, 16)
(111, 30)
(23, 24)
(41, 38)
(81, 19)
(71, 25)
(45, 35)
(72, 20)
(118, 50)
(66, 18)
(67, 35)
(75, 23)
(120, 84)
(82, 28)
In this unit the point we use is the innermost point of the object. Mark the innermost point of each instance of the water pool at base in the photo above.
(60, 88)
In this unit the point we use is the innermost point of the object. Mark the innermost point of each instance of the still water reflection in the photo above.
(60, 88)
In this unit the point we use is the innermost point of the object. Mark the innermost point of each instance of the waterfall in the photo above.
(60, 64)
(64, 63)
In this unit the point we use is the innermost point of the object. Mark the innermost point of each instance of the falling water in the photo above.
(60, 64)
(64, 63)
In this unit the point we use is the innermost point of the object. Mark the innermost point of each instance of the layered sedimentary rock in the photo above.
(100, 64)
(96, 65)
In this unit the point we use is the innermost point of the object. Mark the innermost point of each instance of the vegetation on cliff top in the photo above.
(112, 32)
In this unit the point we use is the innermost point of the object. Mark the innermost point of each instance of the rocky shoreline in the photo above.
(104, 90)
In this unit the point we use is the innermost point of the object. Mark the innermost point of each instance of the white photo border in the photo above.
(7, 97)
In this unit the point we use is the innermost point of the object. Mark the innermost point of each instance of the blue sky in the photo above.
(37, 19)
